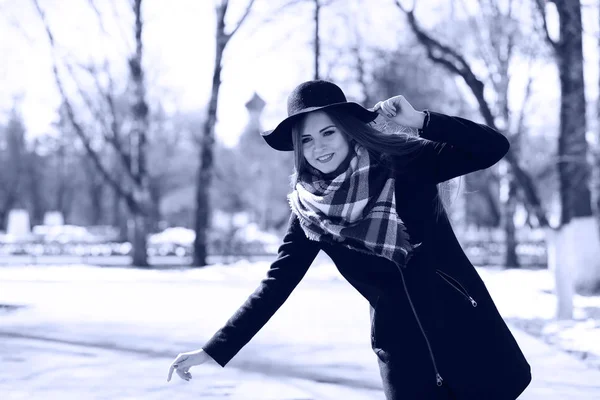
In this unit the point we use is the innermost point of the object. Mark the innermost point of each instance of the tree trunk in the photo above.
(558, 258)
(596, 152)
(511, 260)
(142, 209)
(139, 240)
(155, 215)
(35, 195)
(573, 167)
(96, 202)
(118, 209)
(509, 205)
(451, 60)
(3, 215)
(97, 206)
(205, 171)
(61, 184)
(134, 193)
(14, 165)
(317, 48)
(9, 202)
(572, 145)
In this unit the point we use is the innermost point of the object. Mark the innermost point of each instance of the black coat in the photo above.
(435, 328)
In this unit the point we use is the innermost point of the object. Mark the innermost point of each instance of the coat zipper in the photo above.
(438, 378)
(464, 292)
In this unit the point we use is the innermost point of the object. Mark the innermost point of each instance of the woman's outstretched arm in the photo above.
(295, 256)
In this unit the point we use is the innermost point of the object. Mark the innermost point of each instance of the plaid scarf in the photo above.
(357, 208)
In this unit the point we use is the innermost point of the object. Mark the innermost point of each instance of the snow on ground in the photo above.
(520, 295)
(526, 298)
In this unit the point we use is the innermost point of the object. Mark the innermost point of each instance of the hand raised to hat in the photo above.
(400, 111)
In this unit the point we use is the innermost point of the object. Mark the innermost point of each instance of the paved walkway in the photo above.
(556, 374)
(102, 335)
(40, 369)
(47, 369)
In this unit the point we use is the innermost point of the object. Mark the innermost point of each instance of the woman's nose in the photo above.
(319, 145)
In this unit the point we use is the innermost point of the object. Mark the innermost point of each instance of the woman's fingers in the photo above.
(182, 372)
(183, 375)
(377, 108)
(179, 363)
(388, 109)
(171, 369)
(396, 108)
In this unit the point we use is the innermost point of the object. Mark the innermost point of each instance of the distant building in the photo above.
(251, 133)
(178, 207)
(255, 105)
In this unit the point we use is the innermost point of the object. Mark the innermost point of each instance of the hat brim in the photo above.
(280, 138)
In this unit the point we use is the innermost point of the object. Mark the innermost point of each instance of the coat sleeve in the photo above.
(295, 255)
(454, 146)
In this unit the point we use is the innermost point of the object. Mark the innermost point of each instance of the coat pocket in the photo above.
(457, 286)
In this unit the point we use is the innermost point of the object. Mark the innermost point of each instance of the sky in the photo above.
(269, 57)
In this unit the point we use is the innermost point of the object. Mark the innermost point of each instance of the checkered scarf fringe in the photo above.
(357, 208)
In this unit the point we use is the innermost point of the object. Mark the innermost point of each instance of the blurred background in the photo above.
(139, 206)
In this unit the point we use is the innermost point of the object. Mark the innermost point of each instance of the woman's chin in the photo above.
(326, 167)
(327, 170)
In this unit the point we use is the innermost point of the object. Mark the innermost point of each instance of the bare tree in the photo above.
(207, 140)
(317, 42)
(317, 45)
(66, 159)
(129, 148)
(576, 219)
(12, 164)
(139, 144)
(497, 22)
(572, 165)
(596, 149)
(34, 184)
(450, 59)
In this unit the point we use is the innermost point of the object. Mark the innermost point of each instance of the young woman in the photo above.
(370, 200)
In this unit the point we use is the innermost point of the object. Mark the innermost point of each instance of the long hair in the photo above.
(381, 145)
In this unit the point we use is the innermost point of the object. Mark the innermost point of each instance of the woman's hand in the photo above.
(184, 361)
(400, 111)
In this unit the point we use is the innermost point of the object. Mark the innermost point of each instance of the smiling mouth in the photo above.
(325, 158)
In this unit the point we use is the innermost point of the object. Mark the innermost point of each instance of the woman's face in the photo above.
(323, 144)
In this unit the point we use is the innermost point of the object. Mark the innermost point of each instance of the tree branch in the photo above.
(456, 64)
(110, 134)
(526, 97)
(113, 134)
(241, 21)
(76, 125)
(98, 15)
(541, 6)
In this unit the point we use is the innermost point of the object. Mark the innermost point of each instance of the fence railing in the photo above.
(480, 252)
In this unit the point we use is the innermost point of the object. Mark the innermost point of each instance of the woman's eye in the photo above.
(328, 133)
(306, 140)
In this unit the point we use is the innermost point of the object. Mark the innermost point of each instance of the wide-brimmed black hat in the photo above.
(312, 96)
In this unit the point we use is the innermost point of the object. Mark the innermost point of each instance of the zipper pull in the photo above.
(438, 379)
(473, 302)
